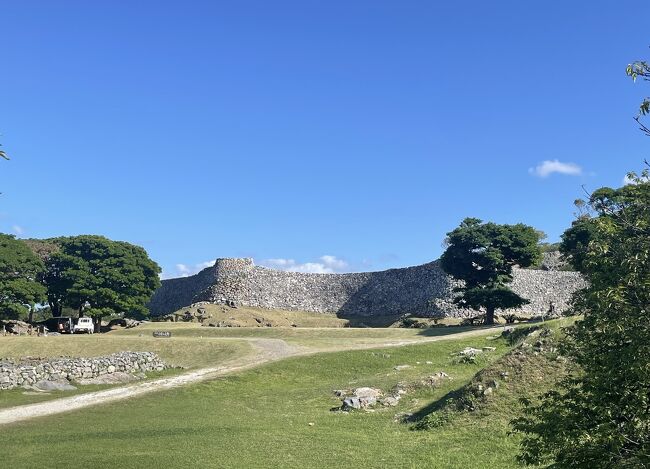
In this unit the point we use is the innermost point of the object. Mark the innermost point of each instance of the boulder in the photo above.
(61, 385)
(390, 401)
(362, 398)
(350, 403)
(367, 393)
(469, 352)
(435, 379)
(13, 326)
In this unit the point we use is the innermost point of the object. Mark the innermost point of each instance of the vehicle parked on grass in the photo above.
(84, 325)
(61, 325)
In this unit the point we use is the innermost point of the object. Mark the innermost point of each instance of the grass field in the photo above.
(278, 415)
(186, 352)
(309, 337)
(261, 418)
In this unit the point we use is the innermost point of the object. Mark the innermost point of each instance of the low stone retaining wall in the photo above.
(15, 373)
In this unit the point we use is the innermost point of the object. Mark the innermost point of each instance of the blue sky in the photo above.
(311, 135)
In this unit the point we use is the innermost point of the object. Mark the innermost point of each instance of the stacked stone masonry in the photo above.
(15, 373)
(421, 290)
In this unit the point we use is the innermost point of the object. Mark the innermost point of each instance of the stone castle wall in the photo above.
(423, 290)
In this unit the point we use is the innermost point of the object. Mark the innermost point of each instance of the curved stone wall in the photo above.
(422, 290)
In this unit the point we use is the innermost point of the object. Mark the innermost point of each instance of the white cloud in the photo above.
(18, 229)
(627, 180)
(204, 265)
(327, 265)
(334, 263)
(184, 270)
(281, 264)
(548, 167)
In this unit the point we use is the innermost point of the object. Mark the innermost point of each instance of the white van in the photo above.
(84, 325)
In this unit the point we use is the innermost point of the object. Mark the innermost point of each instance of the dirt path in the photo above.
(266, 351)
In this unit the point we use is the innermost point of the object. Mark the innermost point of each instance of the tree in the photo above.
(43, 248)
(482, 255)
(600, 415)
(636, 70)
(20, 272)
(575, 241)
(99, 277)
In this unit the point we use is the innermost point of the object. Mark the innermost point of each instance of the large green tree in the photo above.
(576, 239)
(600, 415)
(99, 277)
(482, 255)
(20, 273)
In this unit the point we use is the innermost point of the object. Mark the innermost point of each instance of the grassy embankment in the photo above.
(261, 418)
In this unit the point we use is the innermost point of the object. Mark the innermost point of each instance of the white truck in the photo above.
(84, 325)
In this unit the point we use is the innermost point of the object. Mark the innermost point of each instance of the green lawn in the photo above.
(260, 418)
(324, 338)
(185, 329)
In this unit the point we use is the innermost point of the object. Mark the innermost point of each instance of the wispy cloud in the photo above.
(548, 167)
(326, 264)
(18, 229)
(185, 270)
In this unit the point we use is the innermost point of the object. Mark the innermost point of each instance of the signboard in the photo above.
(159, 334)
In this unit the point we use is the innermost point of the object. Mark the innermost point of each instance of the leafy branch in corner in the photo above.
(634, 71)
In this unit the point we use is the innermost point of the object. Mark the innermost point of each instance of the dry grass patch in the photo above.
(184, 352)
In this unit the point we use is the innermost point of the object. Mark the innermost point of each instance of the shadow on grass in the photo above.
(436, 406)
(441, 331)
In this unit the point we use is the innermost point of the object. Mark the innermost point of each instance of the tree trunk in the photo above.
(56, 309)
(489, 315)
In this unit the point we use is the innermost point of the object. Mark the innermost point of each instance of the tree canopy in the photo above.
(20, 274)
(99, 277)
(635, 70)
(600, 415)
(575, 241)
(482, 255)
